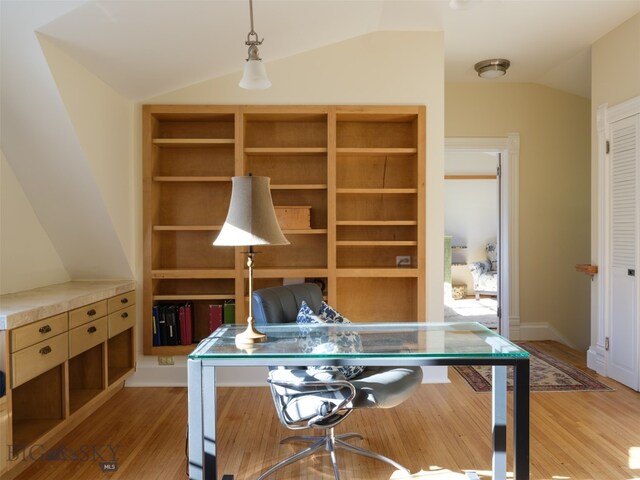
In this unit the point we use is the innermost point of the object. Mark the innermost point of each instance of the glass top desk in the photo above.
(383, 344)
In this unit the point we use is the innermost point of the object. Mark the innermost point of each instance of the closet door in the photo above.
(624, 324)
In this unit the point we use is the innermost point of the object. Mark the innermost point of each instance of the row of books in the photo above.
(175, 323)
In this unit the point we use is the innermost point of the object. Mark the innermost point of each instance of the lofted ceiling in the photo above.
(145, 48)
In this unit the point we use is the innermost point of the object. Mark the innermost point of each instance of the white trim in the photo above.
(597, 356)
(622, 110)
(509, 146)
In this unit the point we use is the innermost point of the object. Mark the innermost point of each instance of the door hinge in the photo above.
(498, 171)
(607, 147)
(606, 343)
(499, 312)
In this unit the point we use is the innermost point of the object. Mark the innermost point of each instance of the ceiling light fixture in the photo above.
(255, 75)
(493, 68)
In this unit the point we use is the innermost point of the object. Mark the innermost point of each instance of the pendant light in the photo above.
(255, 75)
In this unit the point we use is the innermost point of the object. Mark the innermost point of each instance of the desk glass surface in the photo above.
(386, 340)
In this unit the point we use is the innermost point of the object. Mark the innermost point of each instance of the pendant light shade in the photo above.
(255, 73)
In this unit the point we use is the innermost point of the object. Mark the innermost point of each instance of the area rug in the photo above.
(547, 374)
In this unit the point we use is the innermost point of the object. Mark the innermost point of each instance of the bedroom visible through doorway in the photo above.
(472, 216)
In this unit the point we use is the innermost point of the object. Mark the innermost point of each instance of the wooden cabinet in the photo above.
(61, 368)
(360, 170)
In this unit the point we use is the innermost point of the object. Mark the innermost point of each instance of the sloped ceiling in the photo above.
(143, 49)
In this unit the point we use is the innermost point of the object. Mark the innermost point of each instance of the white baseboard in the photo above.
(596, 360)
(150, 374)
(537, 331)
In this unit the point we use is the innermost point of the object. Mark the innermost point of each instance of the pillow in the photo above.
(328, 341)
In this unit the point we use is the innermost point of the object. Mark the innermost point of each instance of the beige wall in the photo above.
(103, 121)
(615, 77)
(378, 68)
(554, 192)
(27, 256)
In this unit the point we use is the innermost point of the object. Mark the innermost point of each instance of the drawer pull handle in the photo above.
(124, 315)
(92, 329)
(45, 350)
(45, 329)
(91, 312)
(124, 300)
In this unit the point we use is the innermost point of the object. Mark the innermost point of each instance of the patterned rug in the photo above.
(548, 374)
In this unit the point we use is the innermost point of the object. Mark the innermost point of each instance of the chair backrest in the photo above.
(281, 304)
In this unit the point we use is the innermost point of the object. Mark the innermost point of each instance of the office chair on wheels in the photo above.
(322, 399)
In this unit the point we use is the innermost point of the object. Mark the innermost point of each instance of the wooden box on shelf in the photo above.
(293, 217)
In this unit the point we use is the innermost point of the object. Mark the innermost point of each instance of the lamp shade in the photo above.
(255, 75)
(251, 219)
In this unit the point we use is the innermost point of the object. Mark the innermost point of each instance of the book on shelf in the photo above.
(172, 324)
(215, 317)
(229, 313)
(155, 319)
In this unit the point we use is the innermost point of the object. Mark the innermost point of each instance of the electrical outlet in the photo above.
(403, 260)
(165, 361)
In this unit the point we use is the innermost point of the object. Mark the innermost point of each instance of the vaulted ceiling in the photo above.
(144, 48)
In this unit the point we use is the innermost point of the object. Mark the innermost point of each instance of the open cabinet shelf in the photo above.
(360, 170)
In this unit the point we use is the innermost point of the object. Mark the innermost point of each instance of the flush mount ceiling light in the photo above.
(255, 75)
(493, 68)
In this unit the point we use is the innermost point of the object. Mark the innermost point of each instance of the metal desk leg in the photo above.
(521, 419)
(499, 422)
(202, 421)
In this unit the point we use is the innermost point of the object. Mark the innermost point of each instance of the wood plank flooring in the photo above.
(440, 432)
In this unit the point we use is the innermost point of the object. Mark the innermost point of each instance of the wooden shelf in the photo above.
(193, 142)
(375, 151)
(390, 223)
(316, 186)
(310, 231)
(285, 151)
(192, 179)
(287, 272)
(376, 243)
(377, 272)
(185, 297)
(369, 191)
(178, 273)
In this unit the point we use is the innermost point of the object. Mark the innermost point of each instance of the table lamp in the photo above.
(251, 220)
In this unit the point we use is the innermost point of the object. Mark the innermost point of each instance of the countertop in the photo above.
(21, 308)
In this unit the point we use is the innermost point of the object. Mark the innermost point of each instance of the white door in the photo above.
(623, 362)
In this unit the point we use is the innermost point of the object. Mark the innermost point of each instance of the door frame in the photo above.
(508, 254)
(597, 353)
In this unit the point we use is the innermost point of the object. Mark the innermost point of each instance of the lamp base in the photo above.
(250, 335)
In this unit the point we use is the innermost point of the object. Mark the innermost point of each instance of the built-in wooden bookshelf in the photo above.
(361, 170)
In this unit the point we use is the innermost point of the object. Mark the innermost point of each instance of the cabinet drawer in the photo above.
(87, 313)
(36, 359)
(37, 332)
(122, 301)
(86, 336)
(120, 321)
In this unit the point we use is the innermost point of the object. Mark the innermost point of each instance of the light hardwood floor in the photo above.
(440, 431)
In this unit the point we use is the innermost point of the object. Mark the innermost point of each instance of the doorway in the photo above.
(506, 152)
(471, 225)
